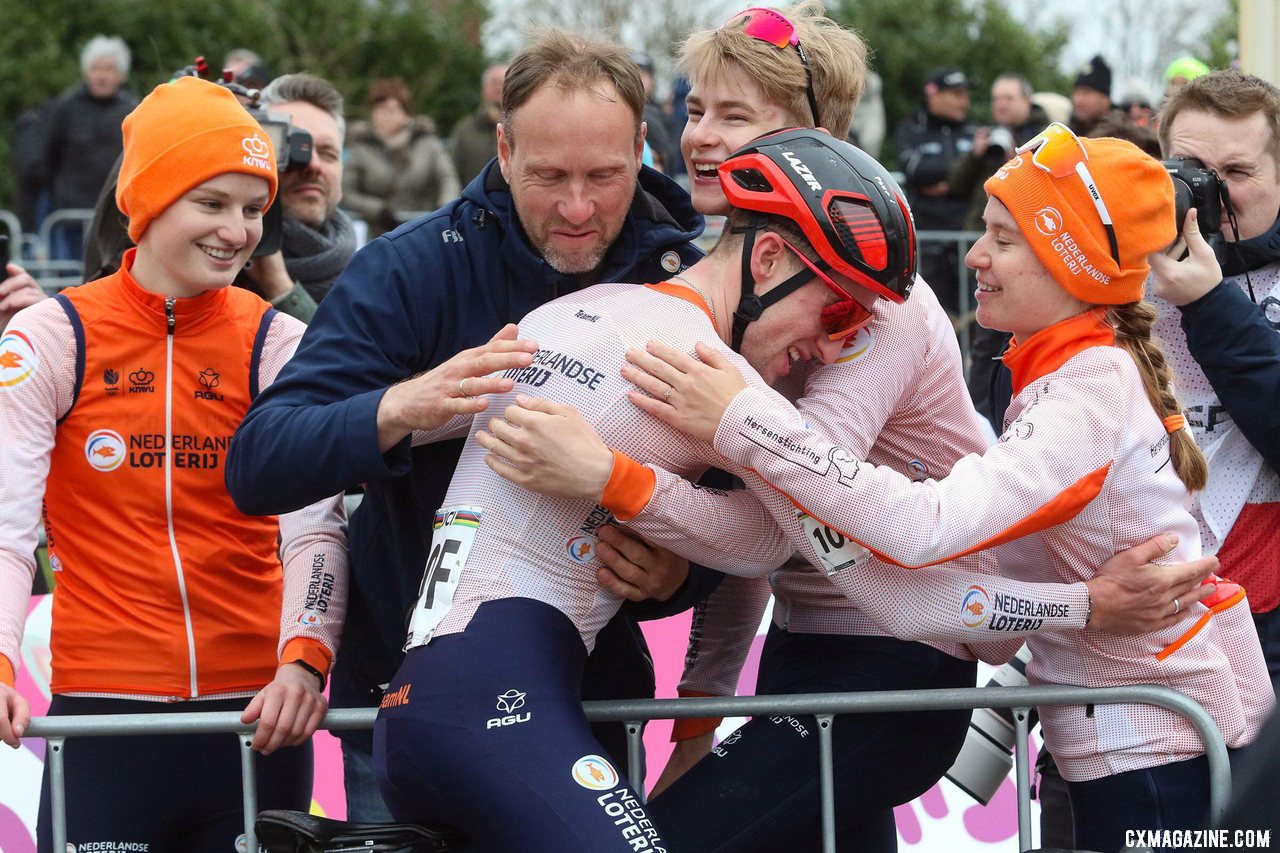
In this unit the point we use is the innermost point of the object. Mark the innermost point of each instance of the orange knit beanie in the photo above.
(181, 135)
(1058, 218)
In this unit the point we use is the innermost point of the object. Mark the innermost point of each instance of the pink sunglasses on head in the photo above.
(775, 28)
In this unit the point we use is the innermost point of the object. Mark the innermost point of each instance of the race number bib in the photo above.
(836, 552)
(454, 531)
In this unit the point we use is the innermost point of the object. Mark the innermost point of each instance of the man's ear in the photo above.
(771, 260)
(504, 151)
(640, 137)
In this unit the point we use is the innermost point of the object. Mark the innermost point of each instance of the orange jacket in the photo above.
(164, 588)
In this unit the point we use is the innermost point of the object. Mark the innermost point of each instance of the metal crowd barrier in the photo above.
(13, 228)
(823, 705)
(62, 218)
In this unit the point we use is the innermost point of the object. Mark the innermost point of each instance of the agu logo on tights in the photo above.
(104, 449)
(594, 773)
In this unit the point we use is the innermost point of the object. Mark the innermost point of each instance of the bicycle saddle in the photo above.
(283, 831)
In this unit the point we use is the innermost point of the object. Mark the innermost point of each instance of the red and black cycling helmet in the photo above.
(847, 205)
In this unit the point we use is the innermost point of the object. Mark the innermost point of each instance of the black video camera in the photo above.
(292, 146)
(1201, 188)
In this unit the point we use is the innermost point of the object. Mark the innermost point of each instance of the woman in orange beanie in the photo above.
(1094, 459)
(118, 400)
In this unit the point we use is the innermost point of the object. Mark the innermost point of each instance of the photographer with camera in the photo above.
(1218, 293)
(1016, 120)
(317, 237)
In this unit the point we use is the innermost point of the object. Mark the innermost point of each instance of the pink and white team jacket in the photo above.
(1080, 473)
(895, 396)
(115, 426)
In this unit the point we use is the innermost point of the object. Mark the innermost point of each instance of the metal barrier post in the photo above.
(57, 792)
(635, 758)
(249, 787)
(826, 782)
(1022, 774)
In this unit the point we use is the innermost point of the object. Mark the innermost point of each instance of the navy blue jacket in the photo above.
(408, 301)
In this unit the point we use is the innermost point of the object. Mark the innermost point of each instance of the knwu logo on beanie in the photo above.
(257, 152)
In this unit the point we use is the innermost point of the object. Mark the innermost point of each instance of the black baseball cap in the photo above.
(948, 78)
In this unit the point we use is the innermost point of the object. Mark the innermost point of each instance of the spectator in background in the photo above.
(17, 290)
(1136, 105)
(868, 127)
(246, 67)
(665, 149)
(1016, 121)
(83, 138)
(474, 141)
(1056, 106)
(396, 165)
(677, 117)
(1091, 96)
(1220, 323)
(240, 59)
(928, 144)
(26, 147)
(1143, 137)
(1182, 71)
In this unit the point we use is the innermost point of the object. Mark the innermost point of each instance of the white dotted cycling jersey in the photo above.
(495, 540)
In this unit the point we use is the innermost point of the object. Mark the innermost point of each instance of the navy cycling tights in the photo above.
(484, 730)
(165, 793)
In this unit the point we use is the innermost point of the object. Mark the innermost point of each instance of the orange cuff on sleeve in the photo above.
(629, 488)
(692, 727)
(7, 675)
(312, 652)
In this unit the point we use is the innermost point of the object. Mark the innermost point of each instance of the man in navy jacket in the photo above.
(565, 206)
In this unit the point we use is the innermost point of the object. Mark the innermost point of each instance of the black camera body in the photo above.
(292, 144)
(293, 151)
(1201, 188)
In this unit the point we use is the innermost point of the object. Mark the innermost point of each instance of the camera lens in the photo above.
(1182, 201)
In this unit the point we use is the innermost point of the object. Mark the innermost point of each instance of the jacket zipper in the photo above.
(171, 322)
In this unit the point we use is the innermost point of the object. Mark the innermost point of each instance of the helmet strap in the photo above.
(750, 306)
